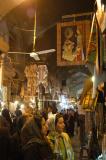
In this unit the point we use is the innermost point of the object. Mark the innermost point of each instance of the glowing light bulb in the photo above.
(93, 78)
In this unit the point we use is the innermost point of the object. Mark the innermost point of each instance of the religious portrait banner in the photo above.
(72, 41)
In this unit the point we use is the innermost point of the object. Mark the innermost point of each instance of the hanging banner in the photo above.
(93, 43)
(72, 40)
(101, 15)
(104, 53)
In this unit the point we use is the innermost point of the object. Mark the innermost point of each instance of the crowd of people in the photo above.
(37, 135)
(47, 134)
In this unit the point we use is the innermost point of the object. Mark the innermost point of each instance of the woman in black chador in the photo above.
(35, 144)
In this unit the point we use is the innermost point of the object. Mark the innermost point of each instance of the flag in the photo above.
(100, 51)
(92, 45)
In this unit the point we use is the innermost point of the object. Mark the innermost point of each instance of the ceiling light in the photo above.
(93, 78)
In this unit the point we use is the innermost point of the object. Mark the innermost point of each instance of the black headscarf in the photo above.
(32, 131)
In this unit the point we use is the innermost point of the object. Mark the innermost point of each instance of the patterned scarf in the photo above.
(65, 147)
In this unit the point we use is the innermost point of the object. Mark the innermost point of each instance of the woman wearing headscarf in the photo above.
(60, 141)
(34, 141)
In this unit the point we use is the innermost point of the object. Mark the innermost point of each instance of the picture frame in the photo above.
(72, 41)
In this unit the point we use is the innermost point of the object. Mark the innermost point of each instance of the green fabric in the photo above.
(62, 148)
(60, 143)
(92, 57)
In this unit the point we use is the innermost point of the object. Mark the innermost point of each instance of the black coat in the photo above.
(37, 151)
(4, 144)
(34, 144)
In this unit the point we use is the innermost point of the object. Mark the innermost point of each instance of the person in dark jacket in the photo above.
(71, 123)
(94, 150)
(4, 140)
(34, 141)
(6, 115)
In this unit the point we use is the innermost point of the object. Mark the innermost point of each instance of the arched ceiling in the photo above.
(20, 23)
(20, 20)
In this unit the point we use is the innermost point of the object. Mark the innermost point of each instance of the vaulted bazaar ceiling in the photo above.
(20, 22)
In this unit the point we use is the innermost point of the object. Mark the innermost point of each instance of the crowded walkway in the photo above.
(33, 134)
